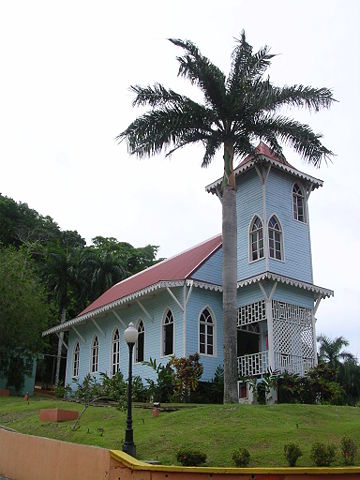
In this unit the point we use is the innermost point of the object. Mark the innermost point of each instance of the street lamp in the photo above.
(131, 335)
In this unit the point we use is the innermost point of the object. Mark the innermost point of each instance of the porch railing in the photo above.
(257, 363)
(293, 363)
(252, 364)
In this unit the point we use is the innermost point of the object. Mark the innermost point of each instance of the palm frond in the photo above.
(247, 67)
(156, 96)
(298, 135)
(162, 128)
(212, 143)
(271, 98)
(202, 72)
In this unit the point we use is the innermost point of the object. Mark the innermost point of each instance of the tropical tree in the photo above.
(331, 352)
(61, 273)
(24, 313)
(236, 112)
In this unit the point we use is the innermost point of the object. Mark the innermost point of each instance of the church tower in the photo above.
(277, 300)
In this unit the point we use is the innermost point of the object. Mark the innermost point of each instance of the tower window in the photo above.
(140, 342)
(256, 239)
(168, 334)
(275, 239)
(206, 333)
(298, 203)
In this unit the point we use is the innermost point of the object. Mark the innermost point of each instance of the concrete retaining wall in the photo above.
(26, 457)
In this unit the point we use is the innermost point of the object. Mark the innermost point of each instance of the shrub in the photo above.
(62, 391)
(187, 375)
(322, 455)
(190, 458)
(241, 457)
(348, 450)
(292, 452)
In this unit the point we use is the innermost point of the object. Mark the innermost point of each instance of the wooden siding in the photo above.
(198, 301)
(296, 239)
(211, 270)
(248, 203)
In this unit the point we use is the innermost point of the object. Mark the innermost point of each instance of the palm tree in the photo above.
(61, 275)
(236, 112)
(330, 351)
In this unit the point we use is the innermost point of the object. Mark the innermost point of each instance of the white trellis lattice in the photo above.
(293, 337)
(252, 313)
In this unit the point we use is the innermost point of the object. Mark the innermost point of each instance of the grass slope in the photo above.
(216, 429)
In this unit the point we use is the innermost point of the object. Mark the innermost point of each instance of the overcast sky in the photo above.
(66, 68)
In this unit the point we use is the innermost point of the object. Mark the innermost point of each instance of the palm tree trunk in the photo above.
(229, 249)
(60, 342)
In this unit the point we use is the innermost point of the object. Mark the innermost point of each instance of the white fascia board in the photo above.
(134, 296)
(315, 182)
(322, 292)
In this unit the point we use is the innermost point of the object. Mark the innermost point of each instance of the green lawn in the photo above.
(216, 429)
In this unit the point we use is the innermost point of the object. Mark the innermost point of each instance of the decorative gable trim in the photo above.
(134, 296)
(321, 292)
(315, 182)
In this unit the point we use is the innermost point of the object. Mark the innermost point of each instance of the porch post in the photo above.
(269, 319)
(314, 338)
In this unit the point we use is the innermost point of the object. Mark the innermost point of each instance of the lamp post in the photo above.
(131, 335)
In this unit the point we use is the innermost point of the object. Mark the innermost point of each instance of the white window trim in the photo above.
(214, 354)
(91, 355)
(162, 355)
(282, 249)
(77, 344)
(249, 239)
(304, 200)
(111, 350)
(135, 356)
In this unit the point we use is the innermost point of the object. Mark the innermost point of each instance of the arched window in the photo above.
(140, 342)
(115, 352)
(275, 239)
(206, 333)
(168, 334)
(76, 360)
(256, 239)
(298, 203)
(94, 367)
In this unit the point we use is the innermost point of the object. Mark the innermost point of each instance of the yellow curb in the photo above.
(135, 464)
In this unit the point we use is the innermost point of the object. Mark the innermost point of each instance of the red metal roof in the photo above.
(179, 267)
(263, 149)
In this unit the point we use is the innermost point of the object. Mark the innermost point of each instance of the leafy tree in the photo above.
(236, 111)
(24, 314)
(20, 224)
(348, 376)
(330, 351)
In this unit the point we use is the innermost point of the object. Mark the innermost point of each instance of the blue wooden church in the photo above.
(176, 305)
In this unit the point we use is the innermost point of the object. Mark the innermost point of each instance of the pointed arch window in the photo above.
(206, 333)
(94, 367)
(76, 360)
(168, 334)
(275, 239)
(298, 203)
(140, 342)
(115, 352)
(256, 239)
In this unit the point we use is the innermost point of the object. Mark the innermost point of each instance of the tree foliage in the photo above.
(24, 314)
